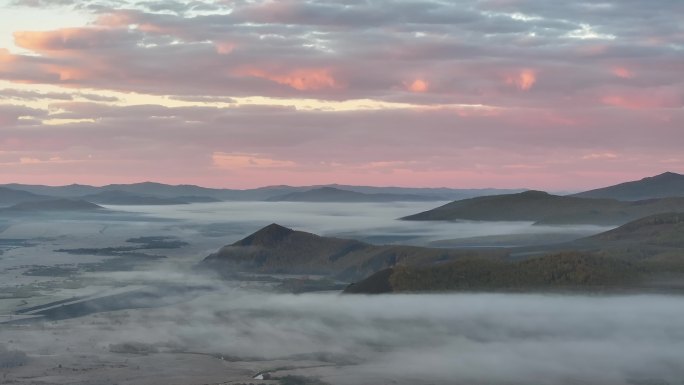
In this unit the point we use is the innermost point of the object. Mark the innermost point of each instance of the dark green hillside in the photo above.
(563, 271)
(544, 208)
(526, 206)
(660, 229)
(647, 253)
(668, 184)
(557, 271)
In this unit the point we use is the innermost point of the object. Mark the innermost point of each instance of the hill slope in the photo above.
(117, 197)
(278, 250)
(544, 208)
(665, 229)
(645, 254)
(69, 191)
(331, 194)
(10, 196)
(53, 205)
(563, 271)
(668, 184)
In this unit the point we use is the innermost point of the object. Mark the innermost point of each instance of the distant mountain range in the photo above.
(543, 208)
(332, 194)
(52, 205)
(665, 185)
(191, 193)
(10, 196)
(117, 197)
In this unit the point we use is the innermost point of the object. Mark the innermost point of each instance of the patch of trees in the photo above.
(563, 270)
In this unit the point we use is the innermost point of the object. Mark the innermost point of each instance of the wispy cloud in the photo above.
(321, 83)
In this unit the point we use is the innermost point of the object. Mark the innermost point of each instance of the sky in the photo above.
(554, 95)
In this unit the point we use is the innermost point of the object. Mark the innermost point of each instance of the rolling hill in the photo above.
(645, 254)
(53, 205)
(10, 196)
(279, 250)
(331, 194)
(665, 185)
(69, 191)
(117, 197)
(543, 208)
(665, 229)
(563, 271)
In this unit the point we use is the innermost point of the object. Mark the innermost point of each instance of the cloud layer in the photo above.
(385, 92)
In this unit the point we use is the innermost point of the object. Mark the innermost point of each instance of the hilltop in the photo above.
(668, 184)
(276, 249)
(544, 208)
(332, 194)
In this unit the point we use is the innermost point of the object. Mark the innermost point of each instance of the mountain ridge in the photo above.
(333, 194)
(9, 196)
(665, 185)
(54, 205)
(544, 208)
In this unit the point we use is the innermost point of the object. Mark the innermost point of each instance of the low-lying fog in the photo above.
(408, 339)
(373, 222)
(27, 241)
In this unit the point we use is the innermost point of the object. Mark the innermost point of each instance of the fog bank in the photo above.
(449, 338)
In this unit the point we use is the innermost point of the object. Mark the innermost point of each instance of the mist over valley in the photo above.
(280, 292)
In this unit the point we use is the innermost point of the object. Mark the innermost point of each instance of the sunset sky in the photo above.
(556, 95)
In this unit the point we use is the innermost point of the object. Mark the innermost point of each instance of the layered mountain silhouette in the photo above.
(665, 185)
(117, 197)
(331, 194)
(53, 205)
(10, 196)
(544, 208)
(192, 193)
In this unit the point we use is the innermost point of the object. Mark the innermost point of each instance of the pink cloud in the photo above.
(523, 80)
(299, 79)
(622, 72)
(224, 47)
(639, 98)
(236, 161)
(75, 39)
(600, 155)
(418, 85)
(439, 58)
